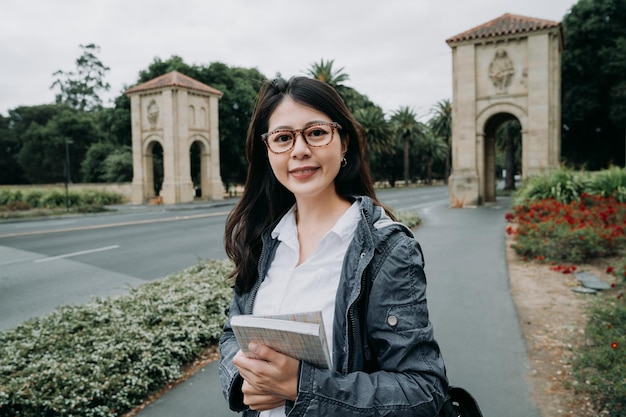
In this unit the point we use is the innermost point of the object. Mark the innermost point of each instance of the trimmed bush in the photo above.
(105, 357)
(83, 201)
(409, 218)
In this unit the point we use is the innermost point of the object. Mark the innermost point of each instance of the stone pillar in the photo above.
(463, 183)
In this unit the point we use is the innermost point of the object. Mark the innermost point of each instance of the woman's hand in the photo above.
(270, 377)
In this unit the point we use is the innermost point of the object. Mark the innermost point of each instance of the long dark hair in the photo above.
(265, 200)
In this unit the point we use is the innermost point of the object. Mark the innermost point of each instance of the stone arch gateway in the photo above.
(176, 112)
(508, 68)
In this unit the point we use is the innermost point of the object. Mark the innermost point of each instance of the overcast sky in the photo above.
(393, 50)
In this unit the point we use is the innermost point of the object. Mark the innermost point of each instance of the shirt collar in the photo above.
(286, 230)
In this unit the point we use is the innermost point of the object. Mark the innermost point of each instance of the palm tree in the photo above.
(404, 121)
(441, 125)
(432, 148)
(508, 136)
(377, 130)
(323, 71)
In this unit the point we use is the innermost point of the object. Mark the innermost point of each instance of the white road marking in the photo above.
(83, 252)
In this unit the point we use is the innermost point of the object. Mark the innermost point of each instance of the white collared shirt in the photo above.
(312, 285)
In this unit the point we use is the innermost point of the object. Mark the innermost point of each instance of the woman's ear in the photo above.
(344, 145)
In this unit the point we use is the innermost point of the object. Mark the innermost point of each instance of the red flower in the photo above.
(614, 345)
(610, 270)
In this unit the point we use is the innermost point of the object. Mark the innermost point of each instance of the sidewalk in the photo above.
(471, 308)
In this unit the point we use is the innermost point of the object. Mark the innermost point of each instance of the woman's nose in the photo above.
(300, 147)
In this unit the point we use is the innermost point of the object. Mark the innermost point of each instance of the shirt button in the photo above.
(392, 321)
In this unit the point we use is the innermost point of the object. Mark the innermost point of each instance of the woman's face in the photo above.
(308, 172)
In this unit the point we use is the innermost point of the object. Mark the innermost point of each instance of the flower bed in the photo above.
(571, 218)
(577, 231)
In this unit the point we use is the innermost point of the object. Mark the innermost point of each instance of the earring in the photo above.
(344, 162)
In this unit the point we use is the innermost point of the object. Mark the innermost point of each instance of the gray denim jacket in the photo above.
(386, 361)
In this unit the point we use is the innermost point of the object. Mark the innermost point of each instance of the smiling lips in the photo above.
(303, 172)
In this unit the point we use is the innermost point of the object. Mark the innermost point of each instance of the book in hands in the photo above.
(301, 336)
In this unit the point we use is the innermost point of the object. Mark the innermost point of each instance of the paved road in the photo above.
(52, 262)
(471, 308)
(48, 263)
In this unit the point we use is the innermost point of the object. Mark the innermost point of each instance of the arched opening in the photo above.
(195, 163)
(503, 150)
(157, 167)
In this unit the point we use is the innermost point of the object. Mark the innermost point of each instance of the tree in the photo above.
(10, 170)
(432, 148)
(118, 166)
(405, 124)
(441, 126)
(377, 130)
(379, 138)
(508, 137)
(80, 89)
(42, 155)
(92, 166)
(594, 83)
(324, 71)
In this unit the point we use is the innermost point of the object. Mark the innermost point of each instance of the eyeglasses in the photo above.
(315, 135)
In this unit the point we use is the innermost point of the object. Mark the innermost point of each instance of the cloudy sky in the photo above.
(393, 50)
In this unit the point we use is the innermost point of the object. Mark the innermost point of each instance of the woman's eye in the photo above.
(282, 137)
(316, 132)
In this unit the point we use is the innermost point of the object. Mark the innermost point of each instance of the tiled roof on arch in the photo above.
(507, 24)
(174, 79)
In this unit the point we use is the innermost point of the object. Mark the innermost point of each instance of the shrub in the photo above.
(610, 182)
(105, 357)
(563, 185)
(18, 206)
(409, 218)
(600, 366)
(84, 201)
(33, 198)
(7, 197)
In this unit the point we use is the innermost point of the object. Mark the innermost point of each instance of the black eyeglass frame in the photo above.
(333, 126)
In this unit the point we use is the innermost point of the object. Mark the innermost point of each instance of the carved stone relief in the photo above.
(153, 114)
(501, 71)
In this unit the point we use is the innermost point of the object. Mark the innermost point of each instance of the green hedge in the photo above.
(53, 199)
(105, 357)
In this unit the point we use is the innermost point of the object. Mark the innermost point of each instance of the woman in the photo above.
(309, 234)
